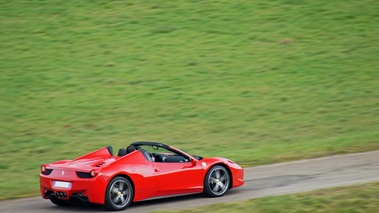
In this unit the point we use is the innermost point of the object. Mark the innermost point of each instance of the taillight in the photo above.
(45, 170)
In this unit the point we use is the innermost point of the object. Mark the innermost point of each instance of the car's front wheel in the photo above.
(216, 181)
(119, 194)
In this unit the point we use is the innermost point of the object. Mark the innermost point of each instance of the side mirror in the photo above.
(193, 162)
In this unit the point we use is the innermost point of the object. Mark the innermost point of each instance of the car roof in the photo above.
(149, 143)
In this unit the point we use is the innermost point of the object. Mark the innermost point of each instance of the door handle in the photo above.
(156, 170)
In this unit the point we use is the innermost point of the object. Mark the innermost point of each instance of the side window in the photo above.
(163, 155)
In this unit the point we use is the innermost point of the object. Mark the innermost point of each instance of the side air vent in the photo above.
(100, 164)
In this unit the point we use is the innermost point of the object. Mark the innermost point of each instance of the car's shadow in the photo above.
(163, 201)
(143, 206)
(133, 206)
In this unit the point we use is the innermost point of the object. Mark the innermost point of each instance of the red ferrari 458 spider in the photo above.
(142, 171)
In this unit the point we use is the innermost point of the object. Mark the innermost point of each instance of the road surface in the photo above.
(260, 181)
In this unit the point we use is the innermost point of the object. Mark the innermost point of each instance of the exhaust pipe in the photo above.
(61, 194)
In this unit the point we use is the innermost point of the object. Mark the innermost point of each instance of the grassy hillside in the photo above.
(255, 81)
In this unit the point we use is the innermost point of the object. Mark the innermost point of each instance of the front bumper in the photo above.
(238, 178)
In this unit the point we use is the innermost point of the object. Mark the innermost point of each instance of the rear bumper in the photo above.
(85, 189)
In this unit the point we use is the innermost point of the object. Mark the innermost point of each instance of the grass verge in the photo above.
(255, 81)
(357, 198)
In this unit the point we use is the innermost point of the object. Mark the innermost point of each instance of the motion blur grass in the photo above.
(358, 198)
(255, 81)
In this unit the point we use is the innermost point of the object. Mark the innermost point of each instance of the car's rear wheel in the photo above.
(119, 194)
(216, 181)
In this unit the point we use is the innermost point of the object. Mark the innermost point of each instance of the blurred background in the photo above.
(256, 81)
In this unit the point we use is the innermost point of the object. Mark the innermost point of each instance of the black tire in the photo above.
(119, 194)
(58, 202)
(216, 181)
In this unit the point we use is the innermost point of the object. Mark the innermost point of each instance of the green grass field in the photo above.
(352, 199)
(255, 81)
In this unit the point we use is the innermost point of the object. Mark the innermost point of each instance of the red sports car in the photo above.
(142, 171)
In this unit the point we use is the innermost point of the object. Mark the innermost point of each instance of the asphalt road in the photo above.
(260, 181)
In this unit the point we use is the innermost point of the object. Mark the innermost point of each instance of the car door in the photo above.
(178, 177)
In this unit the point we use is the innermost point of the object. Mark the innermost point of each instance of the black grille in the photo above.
(84, 174)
